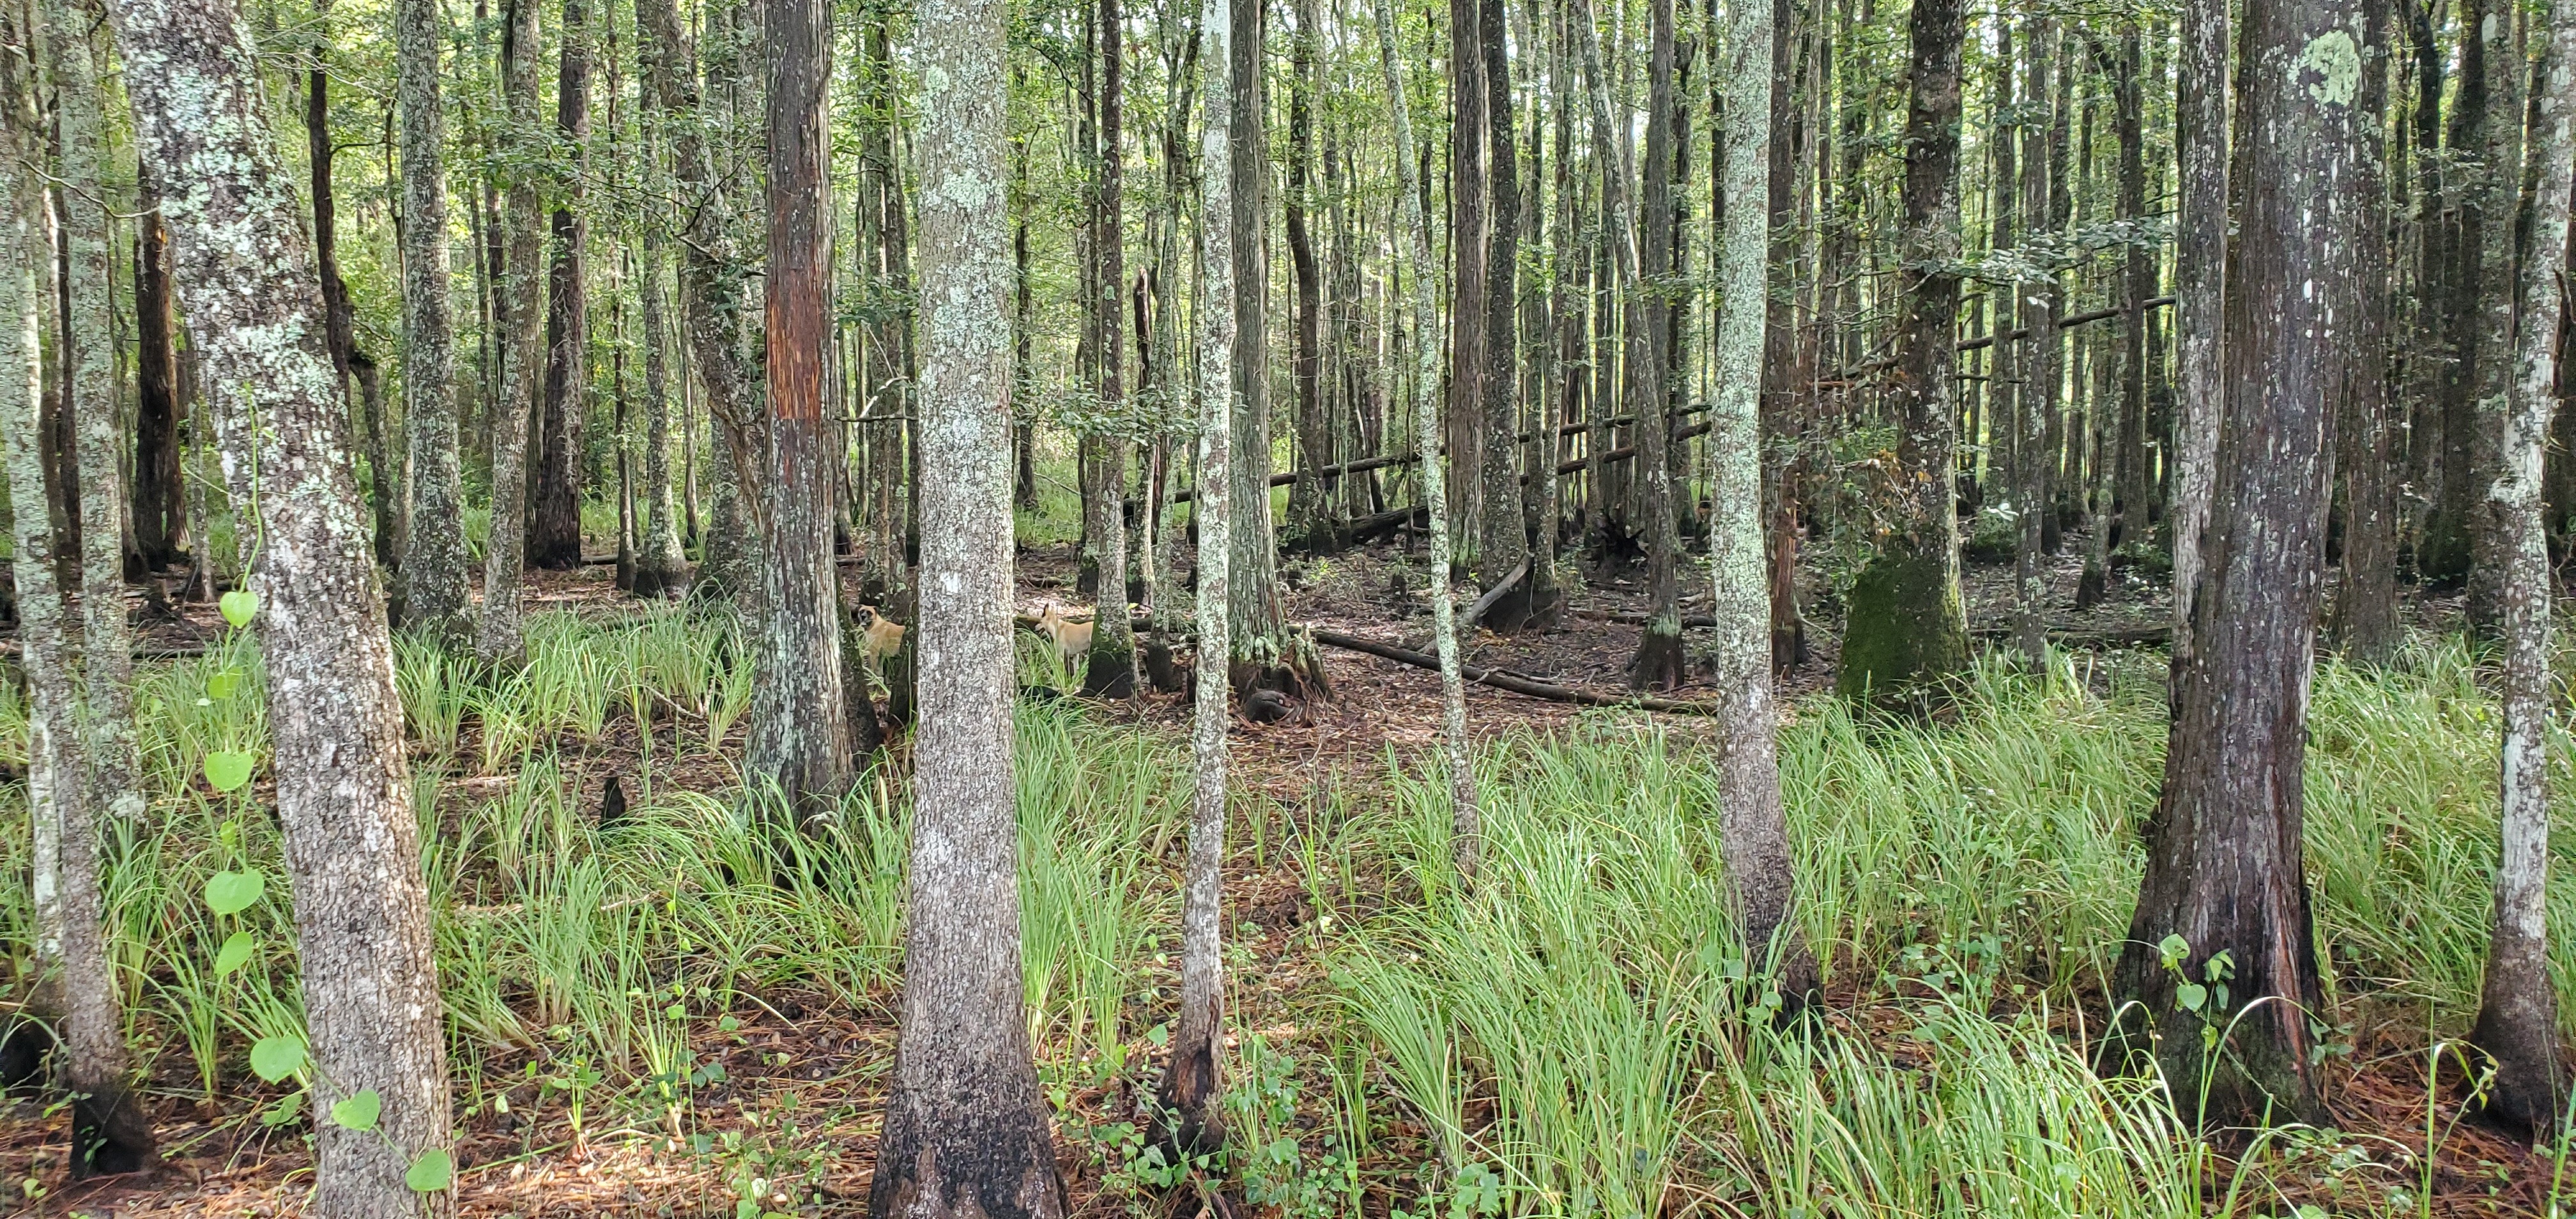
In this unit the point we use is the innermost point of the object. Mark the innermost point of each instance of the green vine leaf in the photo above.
(360, 1111)
(235, 953)
(238, 607)
(228, 769)
(275, 1058)
(433, 1171)
(233, 892)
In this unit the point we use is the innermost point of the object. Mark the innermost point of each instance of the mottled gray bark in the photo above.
(1194, 1084)
(966, 1130)
(434, 597)
(2200, 257)
(1466, 821)
(522, 348)
(362, 914)
(2225, 869)
(1502, 522)
(2033, 456)
(2491, 535)
(1753, 826)
(2518, 1009)
(1658, 664)
(1469, 230)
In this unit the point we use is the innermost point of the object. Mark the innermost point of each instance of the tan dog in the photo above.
(879, 636)
(1072, 636)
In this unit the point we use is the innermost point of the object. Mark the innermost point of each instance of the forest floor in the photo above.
(802, 1075)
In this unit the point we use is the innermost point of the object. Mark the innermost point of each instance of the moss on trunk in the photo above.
(1907, 630)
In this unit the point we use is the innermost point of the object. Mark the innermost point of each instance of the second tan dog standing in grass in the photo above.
(1072, 636)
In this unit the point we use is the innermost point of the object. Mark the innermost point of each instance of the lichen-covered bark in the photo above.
(522, 349)
(343, 788)
(1753, 826)
(1915, 634)
(966, 1131)
(86, 752)
(2225, 870)
(1466, 820)
(1194, 1084)
(555, 468)
(2518, 1009)
(434, 596)
(800, 737)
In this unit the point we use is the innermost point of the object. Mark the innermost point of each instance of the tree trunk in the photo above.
(1908, 627)
(2040, 376)
(2499, 185)
(2224, 871)
(1502, 545)
(2452, 300)
(801, 743)
(91, 760)
(343, 789)
(660, 568)
(2200, 254)
(1466, 820)
(504, 558)
(1309, 509)
(340, 322)
(1267, 655)
(710, 297)
(965, 1127)
(1193, 1085)
(433, 596)
(1658, 662)
(1753, 828)
(1781, 390)
(1111, 669)
(2364, 625)
(2518, 1010)
(1469, 228)
(2128, 122)
(160, 487)
(555, 462)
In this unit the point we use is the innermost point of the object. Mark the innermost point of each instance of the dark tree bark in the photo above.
(1309, 509)
(1908, 627)
(555, 450)
(2225, 874)
(1469, 227)
(966, 1130)
(499, 638)
(2138, 275)
(2200, 251)
(1658, 662)
(344, 791)
(1502, 525)
(2364, 625)
(160, 486)
(1781, 427)
(1110, 671)
(2451, 292)
(800, 740)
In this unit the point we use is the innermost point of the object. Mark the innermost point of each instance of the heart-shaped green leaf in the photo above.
(235, 953)
(233, 892)
(359, 1112)
(433, 1171)
(238, 606)
(2191, 995)
(223, 683)
(275, 1058)
(227, 769)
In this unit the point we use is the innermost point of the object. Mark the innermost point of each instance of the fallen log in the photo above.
(1513, 682)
